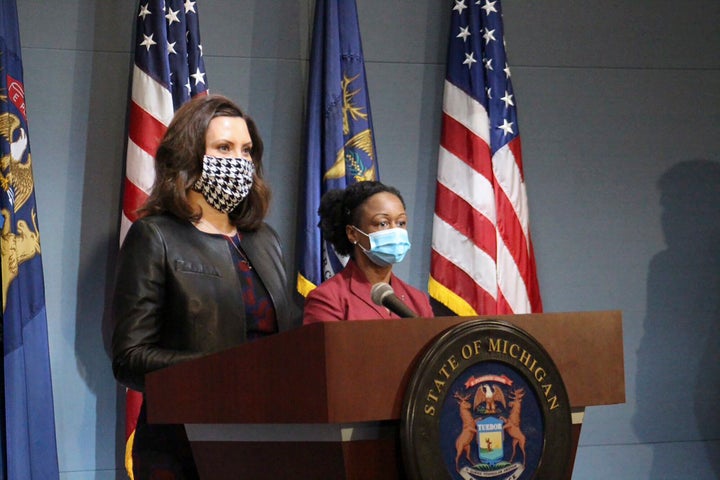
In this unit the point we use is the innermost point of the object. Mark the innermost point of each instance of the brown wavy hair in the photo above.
(178, 164)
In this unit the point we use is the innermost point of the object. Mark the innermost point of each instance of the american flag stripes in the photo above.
(482, 257)
(168, 70)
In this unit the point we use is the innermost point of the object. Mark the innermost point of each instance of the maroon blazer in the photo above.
(346, 296)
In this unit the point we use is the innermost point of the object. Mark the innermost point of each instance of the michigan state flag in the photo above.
(28, 421)
(340, 146)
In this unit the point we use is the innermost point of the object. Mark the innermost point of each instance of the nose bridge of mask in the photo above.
(391, 236)
(229, 166)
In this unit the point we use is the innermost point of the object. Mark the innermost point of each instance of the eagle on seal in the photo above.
(489, 396)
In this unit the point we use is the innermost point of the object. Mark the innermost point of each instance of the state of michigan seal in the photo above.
(485, 401)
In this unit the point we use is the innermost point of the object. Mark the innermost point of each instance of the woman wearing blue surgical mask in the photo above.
(367, 224)
(199, 271)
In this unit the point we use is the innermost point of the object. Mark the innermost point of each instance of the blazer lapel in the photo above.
(360, 289)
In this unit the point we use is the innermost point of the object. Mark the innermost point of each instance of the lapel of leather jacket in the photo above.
(257, 246)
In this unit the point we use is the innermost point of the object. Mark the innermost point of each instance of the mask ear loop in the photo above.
(359, 231)
(356, 242)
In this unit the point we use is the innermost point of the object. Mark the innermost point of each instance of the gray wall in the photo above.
(619, 108)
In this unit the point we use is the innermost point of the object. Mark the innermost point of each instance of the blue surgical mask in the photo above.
(386, 246)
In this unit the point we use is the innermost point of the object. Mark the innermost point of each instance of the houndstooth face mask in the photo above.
(225, 181)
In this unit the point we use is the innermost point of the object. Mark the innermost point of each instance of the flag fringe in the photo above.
(128, 455)
(450, 299)
(304, 286)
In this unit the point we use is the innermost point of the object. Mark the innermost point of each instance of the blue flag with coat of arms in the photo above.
(340, 147)
(28, 442)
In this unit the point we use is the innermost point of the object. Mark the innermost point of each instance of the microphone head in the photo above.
(379, 291)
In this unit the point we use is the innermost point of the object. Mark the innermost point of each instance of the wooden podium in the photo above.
(324, 401)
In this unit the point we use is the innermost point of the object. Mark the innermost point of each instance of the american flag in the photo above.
(168, 70)
(482, 257)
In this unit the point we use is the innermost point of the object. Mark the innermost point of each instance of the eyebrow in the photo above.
(227, 140)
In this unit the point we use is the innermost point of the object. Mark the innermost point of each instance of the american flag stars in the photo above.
(478, 27)
(169, 47)
(148, 42)
(199, 77)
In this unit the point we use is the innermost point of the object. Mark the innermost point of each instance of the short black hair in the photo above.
(339, 208)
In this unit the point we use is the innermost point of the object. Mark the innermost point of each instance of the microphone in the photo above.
(384, 295)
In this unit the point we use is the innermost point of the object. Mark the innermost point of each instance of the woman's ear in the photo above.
(352, 234)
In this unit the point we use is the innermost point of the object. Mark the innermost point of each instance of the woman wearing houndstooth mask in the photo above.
(198, 272)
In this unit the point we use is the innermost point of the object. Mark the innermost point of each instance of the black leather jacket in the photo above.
(178, 296)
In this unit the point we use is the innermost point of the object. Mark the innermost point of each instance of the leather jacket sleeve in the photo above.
(140, 293)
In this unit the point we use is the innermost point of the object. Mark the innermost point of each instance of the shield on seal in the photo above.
(490, 440)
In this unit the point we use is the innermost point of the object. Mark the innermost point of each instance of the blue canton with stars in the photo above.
(477, 64)
(169, 48)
